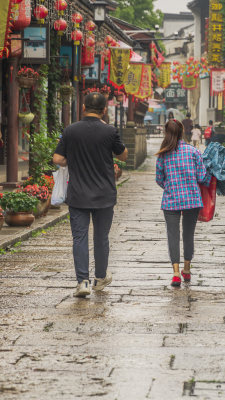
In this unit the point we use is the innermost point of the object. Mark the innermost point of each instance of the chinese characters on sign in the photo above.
(145, 90)
(175, 94)
(215, 37)
(133, 78)
(189, 82)
(217, 81)
(165, 75)
(119, 62)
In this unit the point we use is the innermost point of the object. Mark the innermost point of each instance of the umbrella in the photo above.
(177, 114)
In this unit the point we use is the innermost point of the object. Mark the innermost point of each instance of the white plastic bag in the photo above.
(61, 177)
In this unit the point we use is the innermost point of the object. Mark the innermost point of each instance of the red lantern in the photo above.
(90, 42)
(88, 56)
(60, 26)
(40, 13)
(77, 19)
(22, 16)
(15, 4)
(90, 26)
(60, 6)
(76, 36)
(108, 39)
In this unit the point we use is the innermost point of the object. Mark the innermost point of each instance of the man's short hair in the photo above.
(210, 122)
(95, 103)
(188, 115)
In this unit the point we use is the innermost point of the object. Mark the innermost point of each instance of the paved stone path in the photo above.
(140, 339)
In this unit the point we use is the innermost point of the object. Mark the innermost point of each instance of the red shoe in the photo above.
(176, 281)
(187, 277)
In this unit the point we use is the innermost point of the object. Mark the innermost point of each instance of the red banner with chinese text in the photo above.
(145, 90)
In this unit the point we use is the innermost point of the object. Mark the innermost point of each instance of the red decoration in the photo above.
(209, 201)
(22, 16)
(90, 26)
(18, 1)
(88, 56)
(113, 43)
(108, 39)
(40, 13)
(61, 5)
(76, 36)
(60, 26)
(77, 18)
(90, 42)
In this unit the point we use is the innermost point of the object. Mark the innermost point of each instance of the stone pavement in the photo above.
(139, 339)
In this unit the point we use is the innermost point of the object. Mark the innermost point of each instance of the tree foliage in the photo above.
(139, 12)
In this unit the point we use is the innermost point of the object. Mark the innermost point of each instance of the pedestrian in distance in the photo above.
(196, 135)
(209, 133)
(87, 148)
(188, 126)
(179, 170)
(170, 116)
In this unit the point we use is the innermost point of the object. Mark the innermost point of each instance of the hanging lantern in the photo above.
(90, 26)
(108, 39)
(40, 13)
(21, 18)
(90, 42)
(60, 6)
(60, 26)
(77, 19)
(76, 36)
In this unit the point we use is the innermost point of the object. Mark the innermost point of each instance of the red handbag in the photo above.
(209, 201)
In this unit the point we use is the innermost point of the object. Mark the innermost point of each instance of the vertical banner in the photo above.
(215, 33)
(145, 90)
(119, 62)
(5, 13)
(217, 79)
(165, 75)
(132, 78)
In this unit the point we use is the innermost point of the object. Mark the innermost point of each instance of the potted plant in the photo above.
(66, 91)
(26, 118)
(27, 77)
(42, 194)
(118, 168)
(18, 207)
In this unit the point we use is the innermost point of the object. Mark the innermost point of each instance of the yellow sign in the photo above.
(5, 7)
(215, 38)
(119, 62)
(189, 82)
(133, 78)
(165, 75)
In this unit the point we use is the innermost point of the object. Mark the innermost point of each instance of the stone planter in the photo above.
(1, 221)
(19, 218)
(42, 208)
(118, 174)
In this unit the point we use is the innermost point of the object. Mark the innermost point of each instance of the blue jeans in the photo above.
(79, 221)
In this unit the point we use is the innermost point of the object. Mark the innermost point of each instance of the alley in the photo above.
(139, 339)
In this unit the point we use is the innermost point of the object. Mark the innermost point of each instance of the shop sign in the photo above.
(133, 78)
(36, 49)
(217, 81)
(175, 94)
(215, 37)
(165, 75)
(189, 82)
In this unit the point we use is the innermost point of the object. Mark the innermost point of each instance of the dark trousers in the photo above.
(79, 221)
(173, 233)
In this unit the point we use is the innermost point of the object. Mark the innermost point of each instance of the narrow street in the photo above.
(140, 338)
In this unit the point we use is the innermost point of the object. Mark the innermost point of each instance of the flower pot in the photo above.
(26, 82)
(26, 118)
(1, 221)
(19, 218)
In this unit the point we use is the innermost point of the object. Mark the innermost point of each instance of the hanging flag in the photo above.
(189, 82)
(165, 75)
(132, 78)
(118, 65)
(5, 14)
(215, 33)
(145, 90)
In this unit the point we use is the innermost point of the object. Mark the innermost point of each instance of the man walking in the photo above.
(188, 126)
(87, 148)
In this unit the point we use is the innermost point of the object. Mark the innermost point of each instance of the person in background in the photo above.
(179, 170)
(170, 116)
(209, 133)
(196, 135)
(87, 147)
(188, 126)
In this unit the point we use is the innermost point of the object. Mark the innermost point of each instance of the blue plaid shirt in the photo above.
(179, 173)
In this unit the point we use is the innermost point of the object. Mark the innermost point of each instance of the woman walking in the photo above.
(179, 169)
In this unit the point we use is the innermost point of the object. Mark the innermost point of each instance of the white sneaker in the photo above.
(101, 283)
(83, 289)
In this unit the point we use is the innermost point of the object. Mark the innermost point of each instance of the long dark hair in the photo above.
(173, 133)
